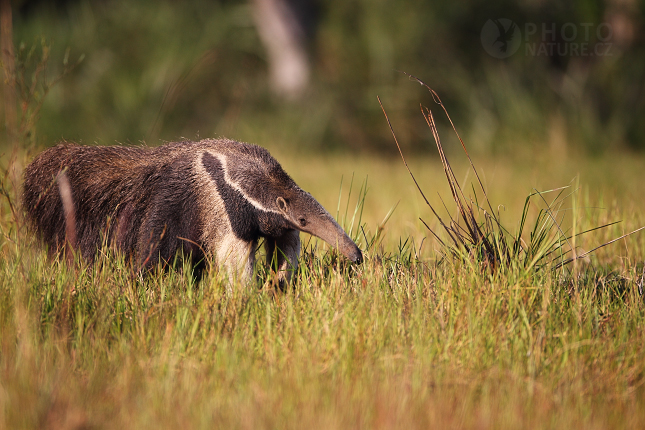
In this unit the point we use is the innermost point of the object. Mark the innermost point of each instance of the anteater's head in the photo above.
(263, 180)
(304, 213)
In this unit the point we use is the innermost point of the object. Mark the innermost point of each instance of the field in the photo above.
(407, 340)
(415, 337)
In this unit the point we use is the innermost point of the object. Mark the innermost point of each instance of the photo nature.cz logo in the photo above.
(502, 38)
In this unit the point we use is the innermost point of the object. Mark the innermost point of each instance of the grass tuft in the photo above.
(476, 234)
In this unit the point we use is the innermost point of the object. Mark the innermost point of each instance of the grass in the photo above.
(399, 342)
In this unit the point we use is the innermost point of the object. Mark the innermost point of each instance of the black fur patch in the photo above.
(173, 221)
(247, 222)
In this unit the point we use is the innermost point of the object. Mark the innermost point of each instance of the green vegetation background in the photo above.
(162, 70)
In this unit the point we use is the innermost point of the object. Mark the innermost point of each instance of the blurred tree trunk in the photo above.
(283, 35)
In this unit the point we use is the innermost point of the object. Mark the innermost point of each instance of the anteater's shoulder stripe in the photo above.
(223, 159)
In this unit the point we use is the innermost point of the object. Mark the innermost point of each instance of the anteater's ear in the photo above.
(282, 204)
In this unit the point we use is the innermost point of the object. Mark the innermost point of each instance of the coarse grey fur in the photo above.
(215, 197)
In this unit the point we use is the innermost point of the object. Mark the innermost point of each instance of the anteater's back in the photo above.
(100, 178)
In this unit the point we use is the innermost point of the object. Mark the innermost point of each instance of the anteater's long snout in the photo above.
(326, 228)
(345, 245)
(352, 252)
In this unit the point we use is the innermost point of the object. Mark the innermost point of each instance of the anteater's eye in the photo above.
(303, 222)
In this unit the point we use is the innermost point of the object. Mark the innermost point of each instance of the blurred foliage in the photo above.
(162, 70)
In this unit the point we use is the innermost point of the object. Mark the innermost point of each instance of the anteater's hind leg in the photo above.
(282, 255)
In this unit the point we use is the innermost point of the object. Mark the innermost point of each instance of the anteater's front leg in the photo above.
(282, 255)
(237, 257)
